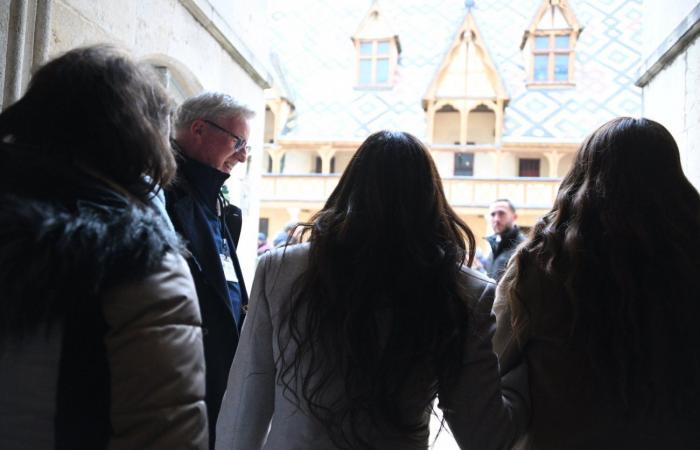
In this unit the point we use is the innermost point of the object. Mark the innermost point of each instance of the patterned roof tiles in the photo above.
(312, 40)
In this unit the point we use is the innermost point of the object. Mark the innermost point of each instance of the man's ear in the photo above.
(197, 127)
(196, 130)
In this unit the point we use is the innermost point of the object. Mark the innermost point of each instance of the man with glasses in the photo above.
(211, 134)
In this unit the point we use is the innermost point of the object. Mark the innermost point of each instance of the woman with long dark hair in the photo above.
(351, 336)
(602, 302)
(100, 331)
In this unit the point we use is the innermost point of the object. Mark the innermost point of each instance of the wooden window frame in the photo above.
(392, 56)
(551, 52)
(456, 156)
(530, 160)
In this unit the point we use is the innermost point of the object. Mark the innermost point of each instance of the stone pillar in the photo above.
(463, 124)
(276, 155)
(16, 37)
(25, 35)
(499, 121)
(553, 158)
(42, 32)
(326, 153)
(431, 121)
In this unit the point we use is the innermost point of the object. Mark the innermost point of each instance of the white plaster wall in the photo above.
(342, 159)
(691, 153)
(509, 165)
(484, 164)
(299, 162)
(165, 27)
(672, 98)
(445, 163)
(446, 127)
(481, 127)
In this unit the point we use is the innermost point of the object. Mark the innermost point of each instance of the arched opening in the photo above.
(565, 165)
(481, 126)
(446, 126)
(177, 79)
(318, 165)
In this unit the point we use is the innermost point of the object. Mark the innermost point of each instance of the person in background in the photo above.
(100, 331)
(263, 246)
(353, 335)
(609, 335)
(211, 137)
(287, 235)
(506, 237)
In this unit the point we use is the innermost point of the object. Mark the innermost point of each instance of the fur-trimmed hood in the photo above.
(65, 237)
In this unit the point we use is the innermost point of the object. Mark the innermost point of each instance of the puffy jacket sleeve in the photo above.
(156, 361)
(483, 410)
(248, 403)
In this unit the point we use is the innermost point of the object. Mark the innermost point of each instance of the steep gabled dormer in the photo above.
(466, 97)
(549, 43)
(377, 50)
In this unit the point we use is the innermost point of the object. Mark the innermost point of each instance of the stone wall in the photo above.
(671, 95)
(200, 46)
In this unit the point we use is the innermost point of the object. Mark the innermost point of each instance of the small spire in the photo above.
(469, 4)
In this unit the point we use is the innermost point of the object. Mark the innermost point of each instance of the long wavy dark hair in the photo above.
(622, 243)
(385, 243)
(95, 107)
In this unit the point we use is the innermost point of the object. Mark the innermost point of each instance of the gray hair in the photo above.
(209, 105)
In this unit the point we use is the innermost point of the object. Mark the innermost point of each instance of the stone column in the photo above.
(25, 35)
(499, 121)
(431, 121)
(553, 158)
(276, 155)
(326, 153)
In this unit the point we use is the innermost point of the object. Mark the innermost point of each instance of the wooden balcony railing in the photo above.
(460, 191)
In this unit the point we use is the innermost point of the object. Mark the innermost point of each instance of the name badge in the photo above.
(229, 270)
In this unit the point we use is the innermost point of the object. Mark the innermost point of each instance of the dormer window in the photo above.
(552, 57)
(551, 39)
(375, 63)
(378, 49)
(466, 100)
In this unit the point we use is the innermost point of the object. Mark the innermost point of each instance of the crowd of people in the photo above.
(125, 322)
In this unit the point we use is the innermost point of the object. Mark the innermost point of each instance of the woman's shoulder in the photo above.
(290, 259)
(475, 284)
(167, 292)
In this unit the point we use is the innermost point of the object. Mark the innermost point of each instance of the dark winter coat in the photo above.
(221, 332)
(100, 332)
(502, 251)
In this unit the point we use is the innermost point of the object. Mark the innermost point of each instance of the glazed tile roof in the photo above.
(312, 40)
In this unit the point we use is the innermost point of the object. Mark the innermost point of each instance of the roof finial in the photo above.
(469, 4)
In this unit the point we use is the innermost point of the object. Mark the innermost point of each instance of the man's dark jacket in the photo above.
(221, 332)
(502, 251)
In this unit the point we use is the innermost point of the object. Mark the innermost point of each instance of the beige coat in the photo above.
(155, 362)
(481, 412)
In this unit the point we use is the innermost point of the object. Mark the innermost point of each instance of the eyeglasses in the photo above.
(240, 142)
